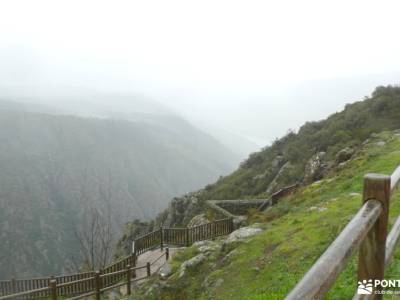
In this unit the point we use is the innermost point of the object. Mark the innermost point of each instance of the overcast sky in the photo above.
(255, 68)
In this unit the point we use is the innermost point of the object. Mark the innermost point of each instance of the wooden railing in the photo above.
(182, 236)
(81, 285)
(367, 231)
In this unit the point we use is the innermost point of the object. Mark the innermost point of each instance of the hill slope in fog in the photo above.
(56, 168)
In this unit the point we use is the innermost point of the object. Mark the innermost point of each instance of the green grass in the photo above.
(269, 265)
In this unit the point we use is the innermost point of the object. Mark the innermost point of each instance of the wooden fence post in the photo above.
(161, 238)
(134, 264)
(13, 286)
(371, 260)
(213, 229)
(53, 289)
(148, 269)
(128, 279)
(166, 253)
(187, 237)
(97, 284)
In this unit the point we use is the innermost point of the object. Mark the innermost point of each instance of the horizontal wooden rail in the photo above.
(182, 236)
(319, 279)
(18, 295)
(157, 259)
(74, 282)
(112, 274)
(368, 231)
(392, 241)
(395, 179)
(81, 296)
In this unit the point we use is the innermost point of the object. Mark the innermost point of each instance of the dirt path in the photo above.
(151, 256)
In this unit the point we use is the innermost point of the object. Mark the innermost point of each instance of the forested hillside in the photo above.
(328, 159)
(299, 157)
(55, 170)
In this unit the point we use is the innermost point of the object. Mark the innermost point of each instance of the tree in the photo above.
(94, 236)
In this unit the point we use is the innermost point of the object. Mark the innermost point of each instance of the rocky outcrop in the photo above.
(315, 168)
(198, 220)
(276, 165)
(191, 264)
(206, 247)
(344, 155)
(276, 182)
(132, 230)
(180, 211)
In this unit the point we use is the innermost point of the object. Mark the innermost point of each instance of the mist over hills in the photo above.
(56, 167)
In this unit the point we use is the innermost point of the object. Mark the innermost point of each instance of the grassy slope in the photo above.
(269, 265)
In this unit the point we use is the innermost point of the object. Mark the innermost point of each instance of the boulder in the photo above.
(344, 155)
(209, 282)
(198, 220)
(242, 233)
(318, 209)
(207, 246)
(380, 143)
(165, 271)
(191, 263)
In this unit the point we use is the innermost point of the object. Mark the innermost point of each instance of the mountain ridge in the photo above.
(55, 168)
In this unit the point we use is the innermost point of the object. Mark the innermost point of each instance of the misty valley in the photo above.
(199, 150)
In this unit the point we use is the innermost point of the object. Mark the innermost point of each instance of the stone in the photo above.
(239, 221)
(198, 220)
(344, 155)
(229, 256)
(380, 143)
(210, 283)
(219, 282)
(113, 295)
(165, 271)
(318, 209)
(354, 194)
(191, 263)
(242, 233)
(207, 246)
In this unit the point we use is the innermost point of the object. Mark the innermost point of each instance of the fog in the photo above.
(248, 69)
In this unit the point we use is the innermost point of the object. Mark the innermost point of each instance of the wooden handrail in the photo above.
(61, 285)
(368, 231)
(17, 295)
(395, 179)
(320, 278)
(70, 285)
(392, 241)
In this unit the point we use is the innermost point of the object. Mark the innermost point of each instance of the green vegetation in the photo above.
(348, 128)
(297, 231)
